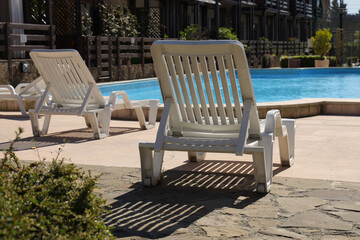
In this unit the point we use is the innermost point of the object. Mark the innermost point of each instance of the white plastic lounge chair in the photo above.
(23, 91)
(74, 92)
(199, 115)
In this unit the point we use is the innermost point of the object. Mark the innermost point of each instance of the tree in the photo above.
(334, 7)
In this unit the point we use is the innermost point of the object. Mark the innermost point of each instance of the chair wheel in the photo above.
(147, 182)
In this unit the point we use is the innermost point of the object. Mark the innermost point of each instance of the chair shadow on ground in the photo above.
(17, 117)
(187, 194)
(73, 136)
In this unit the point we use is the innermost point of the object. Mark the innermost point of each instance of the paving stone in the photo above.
(301, 204)
(338, 237)
(224, 232)
(316, 219)
(261, 211)
(352, 206)
(303, 184)
(332, 194)
(283, 233)
(280, 192)
(348, 185)
(219, 220)
(262, 223)
(349, 216)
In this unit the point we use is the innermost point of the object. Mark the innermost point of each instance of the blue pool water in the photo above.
(270, 85)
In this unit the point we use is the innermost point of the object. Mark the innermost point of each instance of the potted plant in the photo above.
(321, 44)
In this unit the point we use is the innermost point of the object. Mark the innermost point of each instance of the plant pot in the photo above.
(274, 61)
(294, 63)
(322, 63)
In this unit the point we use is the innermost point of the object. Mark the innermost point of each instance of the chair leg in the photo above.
(196, 156)
(141, 117)
(21, 106)
(287, 143)
(151, 165)
(93, 120)
(46, 124)
(262, 162)
(34, 118)
(154, 104)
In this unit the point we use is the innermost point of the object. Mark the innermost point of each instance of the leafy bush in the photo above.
(321, 43)
(332, 61)
(284, 62)
(117, 21)
(86, 22)
(190, 33)
(226, 33)
(265, 61)
(48, 201)
(351, 60)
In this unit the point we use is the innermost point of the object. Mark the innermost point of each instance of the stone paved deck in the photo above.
(317, 198)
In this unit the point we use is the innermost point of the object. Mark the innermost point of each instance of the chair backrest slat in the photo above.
(200, 88)
(225, 87)
(234, 86)
(216, 84)
(209, 91)
(192, 89)
(175, 83)
(184, 89)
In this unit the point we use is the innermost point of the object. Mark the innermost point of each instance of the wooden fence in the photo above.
(107, 54)
(18, 39)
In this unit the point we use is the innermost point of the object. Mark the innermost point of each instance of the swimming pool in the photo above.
(270, 85)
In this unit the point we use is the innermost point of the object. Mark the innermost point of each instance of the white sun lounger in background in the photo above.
(199, 115)
(74, 92)
(23, 91)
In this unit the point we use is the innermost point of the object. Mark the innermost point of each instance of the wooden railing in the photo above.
(259, 48)
(108, 54)
(18, 39)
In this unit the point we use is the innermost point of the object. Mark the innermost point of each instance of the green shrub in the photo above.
(284, 62)
(117, 21)
(265, 61)
(351, 60)
(332, 61)
(48, 201)
(226, 33)
(321, 43)
(191, 32)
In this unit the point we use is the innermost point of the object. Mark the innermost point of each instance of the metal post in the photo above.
(217, 22)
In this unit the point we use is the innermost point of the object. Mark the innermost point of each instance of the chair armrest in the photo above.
(9, 88)
(124, 96)
(273, 124)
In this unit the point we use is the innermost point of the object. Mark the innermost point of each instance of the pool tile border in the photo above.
(289, 109)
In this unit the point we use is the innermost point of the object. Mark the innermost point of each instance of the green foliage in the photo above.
(48, 201)
(284, 62)
(265, 61)
(226, 33)
(351, 60)
(191, 32)
(118, 21)
(247, 49)
(86, 22)
(321, 43)
(332, 61)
